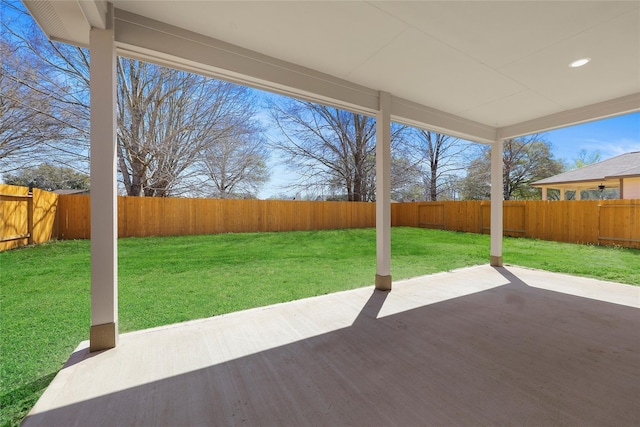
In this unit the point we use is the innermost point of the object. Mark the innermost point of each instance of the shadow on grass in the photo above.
(24, 396)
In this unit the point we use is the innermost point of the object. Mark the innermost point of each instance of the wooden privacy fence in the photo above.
(26, 218)
(156, 216)
(44, 215)
(605, 222)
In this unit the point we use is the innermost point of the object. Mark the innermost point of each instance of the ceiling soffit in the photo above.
(143, 38)
(492, 87)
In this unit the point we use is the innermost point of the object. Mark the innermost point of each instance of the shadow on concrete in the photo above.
(512, 355)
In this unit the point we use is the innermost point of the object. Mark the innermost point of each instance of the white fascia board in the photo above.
(587, 183)
(420, 116)
(613, 107)
(142, 38)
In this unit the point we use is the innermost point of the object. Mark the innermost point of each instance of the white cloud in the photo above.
(611, 148)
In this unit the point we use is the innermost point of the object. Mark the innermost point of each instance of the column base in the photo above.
(383, 283)
(103, 337)
(496, 261)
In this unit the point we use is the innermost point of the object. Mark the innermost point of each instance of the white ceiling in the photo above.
(503, 65)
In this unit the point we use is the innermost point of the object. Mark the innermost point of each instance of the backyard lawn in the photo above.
(45, 290)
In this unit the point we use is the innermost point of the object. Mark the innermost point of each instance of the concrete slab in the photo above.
(476, 346)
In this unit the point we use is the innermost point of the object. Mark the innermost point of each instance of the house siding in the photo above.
(631, 188)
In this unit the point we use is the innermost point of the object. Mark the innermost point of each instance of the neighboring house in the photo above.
(621, 172)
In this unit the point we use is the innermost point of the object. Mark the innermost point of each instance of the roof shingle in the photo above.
(624, 165)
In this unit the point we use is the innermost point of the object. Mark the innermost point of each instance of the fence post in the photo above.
(30, 215)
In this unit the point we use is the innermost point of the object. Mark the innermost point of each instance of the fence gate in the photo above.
(16, 216)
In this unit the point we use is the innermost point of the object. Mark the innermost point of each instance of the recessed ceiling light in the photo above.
(579, 62)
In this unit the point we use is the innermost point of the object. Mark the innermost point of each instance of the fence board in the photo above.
(515, 215)
(13, 216)
(36, 226)
(485, 217)
(45, 207)
(74, 217)
(462, 216)
(431, 215)
(619, 223)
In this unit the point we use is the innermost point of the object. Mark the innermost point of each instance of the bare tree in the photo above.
(236, 165)
(406, 177)
(44, 109)
(166, 118)
(525, 160)
(328, 146)
(441, 158)
(21, 112)
(476, 185)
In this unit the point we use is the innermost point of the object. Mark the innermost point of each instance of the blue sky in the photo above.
(610, 137)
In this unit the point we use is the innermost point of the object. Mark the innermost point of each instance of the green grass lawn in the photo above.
(45, 290)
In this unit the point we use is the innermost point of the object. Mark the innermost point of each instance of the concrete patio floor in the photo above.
(476, 346)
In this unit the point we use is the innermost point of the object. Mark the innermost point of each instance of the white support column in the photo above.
(497, 195)
(544, 193)
(383, 193)
(104, 202)
(562, 193)
(578, 193)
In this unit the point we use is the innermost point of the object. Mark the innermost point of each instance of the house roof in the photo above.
(622, 166)
(479, 70)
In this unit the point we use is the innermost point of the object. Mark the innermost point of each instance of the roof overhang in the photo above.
(488, 71)
(608, 182)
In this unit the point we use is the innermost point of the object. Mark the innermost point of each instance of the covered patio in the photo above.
(477, 346)
(482, 71)
(488, 345)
